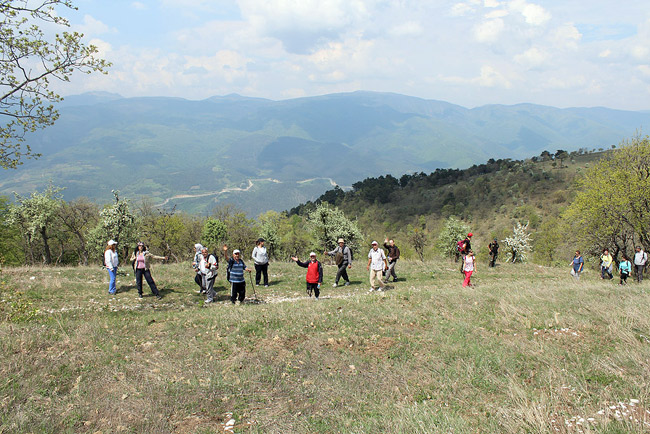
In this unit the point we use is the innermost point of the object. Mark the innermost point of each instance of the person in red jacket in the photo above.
(314, 273)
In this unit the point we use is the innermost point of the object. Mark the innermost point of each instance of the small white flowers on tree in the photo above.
(518, 245)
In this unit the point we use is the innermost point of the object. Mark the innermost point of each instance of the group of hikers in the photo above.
(381, 266)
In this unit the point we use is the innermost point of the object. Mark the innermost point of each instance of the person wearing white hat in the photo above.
(236, 268)
(376, 264)
(198, 277)
(314, 273)
(111, 262)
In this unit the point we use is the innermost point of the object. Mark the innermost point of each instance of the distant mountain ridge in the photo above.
(261, 154)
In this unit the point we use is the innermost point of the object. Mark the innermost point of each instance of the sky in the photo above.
(563, 53)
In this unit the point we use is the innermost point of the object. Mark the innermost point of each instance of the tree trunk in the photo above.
(48, 254)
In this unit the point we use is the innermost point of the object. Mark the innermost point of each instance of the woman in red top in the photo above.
(314, 273)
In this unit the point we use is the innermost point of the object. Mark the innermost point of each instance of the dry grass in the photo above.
(525, 350)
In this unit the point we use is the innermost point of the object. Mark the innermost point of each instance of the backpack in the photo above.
(460, 245)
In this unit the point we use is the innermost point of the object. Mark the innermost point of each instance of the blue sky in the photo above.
(472, 52)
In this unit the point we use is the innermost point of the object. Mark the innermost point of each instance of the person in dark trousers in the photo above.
(198, 277)
(140, 259)
(393, 256)
(343, 259)
(493, 248)
(236, 268)
(314, 273)
(625, 268)
(606, 266)
(261, 259)
(208, 267)
(640, 259)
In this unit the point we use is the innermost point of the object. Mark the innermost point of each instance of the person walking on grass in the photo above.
(261, 260)
(625, 269)
(208, 267)
(469, 267)
(314, 273)
(111, 262)
(376, 264)
(640, 259)
(393, 256)
(236, 268)
(198, 277)
(463, 247)
(577, 264)
(493, 248)
(140, 259)
(606, 265)
(343, 259)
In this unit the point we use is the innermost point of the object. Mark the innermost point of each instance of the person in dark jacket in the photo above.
(493, 248)
(465, 247)
(393, 256)
(343, 258)
(314, 273)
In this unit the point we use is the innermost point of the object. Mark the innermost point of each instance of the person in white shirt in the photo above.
(208, 268)
(640, 259)
(376, 263)
(111, 262)
(261, 260)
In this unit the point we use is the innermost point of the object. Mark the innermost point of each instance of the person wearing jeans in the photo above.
(111, 262)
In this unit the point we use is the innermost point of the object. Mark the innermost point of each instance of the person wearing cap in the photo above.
(314, 273)
(343, 259)
(141, 259)
(493, 248)
(198, 277)
(261, 259)
(236, 268)
(376, 264)
(111, 262)
(208, 267)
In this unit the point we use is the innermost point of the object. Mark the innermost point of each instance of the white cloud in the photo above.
(640, 52)
(532, 58)
(489, 31)
(566, 36)
(644, 69)
(605, 53)
(533, 14)
(410, 28)
(497, 14)
(488, 77)
(139, 6)
(93, 27)
(492, 3)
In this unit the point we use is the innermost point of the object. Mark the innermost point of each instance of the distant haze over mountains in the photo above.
(262, 154)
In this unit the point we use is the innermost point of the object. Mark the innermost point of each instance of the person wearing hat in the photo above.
(343, 259)
(261, 259)
(198, 277)
(111, 262)
(493, 248)
(376, 264)
(140, 259)
(236, 268)
(314, 273)
(208, 268)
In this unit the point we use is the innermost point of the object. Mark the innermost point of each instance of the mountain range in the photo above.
(261, 154)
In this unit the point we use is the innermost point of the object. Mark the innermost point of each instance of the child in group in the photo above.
(625, 268)
(469, 267)
(314, 273)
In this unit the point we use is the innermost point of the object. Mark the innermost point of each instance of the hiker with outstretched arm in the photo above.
(236, 268)
(393, 256)
(314, 273)
(343, 259)
(141, 260)
(208, 267)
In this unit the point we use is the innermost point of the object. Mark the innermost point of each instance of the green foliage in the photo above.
(30, 60)
(611, 207)
(214, 234)
(418, 237)
(116, 222)
(547, 241)
(452, 232)
(269, 223)
(328, 224)
(11, 252)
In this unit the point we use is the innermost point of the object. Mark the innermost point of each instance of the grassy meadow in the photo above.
(526, 350)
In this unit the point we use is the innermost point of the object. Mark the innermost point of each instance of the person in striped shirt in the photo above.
(236, 268)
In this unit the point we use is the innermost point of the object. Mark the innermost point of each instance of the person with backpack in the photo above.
(463, 247)
(493, 248)
(625, 269)
(393, 256)
(208, 267)
(640, 259)
(111, 262)
(261, 260)
(314, 276)
(343, 259)
(606, 264)
(140, 260)
(198, 277)
(236, 269)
